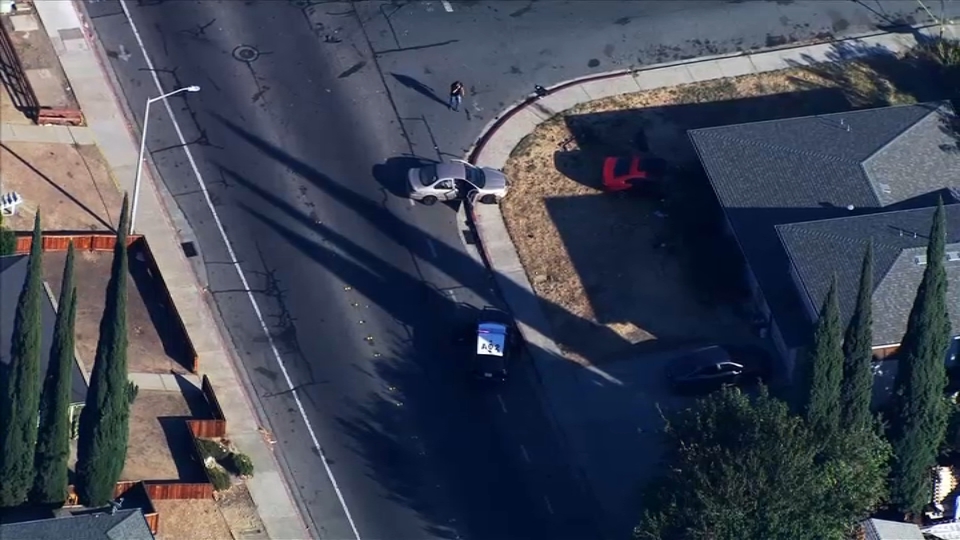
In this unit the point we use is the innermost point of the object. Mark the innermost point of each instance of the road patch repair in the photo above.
(621, 278)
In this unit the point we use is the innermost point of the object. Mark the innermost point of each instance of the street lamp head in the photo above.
(193, 88)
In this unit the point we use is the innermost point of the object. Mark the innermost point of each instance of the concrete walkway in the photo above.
(118, 142)
(560, 378)
(165, 382)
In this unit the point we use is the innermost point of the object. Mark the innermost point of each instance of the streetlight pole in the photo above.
(143, 147)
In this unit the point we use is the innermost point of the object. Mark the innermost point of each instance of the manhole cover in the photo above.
(246, 53)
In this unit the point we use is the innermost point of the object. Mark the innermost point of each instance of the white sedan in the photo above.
(456, 180)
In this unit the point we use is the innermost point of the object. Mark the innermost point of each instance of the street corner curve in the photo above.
(548, 102)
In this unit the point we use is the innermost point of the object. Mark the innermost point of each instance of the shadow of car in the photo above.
(393, 173)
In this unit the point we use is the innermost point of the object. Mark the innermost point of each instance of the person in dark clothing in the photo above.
(456, 95)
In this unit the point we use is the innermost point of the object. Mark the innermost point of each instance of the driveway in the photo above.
(617, 412)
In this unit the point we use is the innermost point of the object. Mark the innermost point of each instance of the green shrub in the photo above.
(211, 448)
(239, 464)
(8, 241)
(946, 51)
(219, 478)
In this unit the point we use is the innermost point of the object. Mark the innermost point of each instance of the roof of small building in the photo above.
(882, 529)
(13, 274)
(122, 525)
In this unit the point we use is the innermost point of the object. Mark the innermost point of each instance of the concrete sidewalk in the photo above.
(561, 378)
(118, 143)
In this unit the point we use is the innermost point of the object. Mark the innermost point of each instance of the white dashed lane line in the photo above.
(447, 6)
(526, 456)
(503, 405)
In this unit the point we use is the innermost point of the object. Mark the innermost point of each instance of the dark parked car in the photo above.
(712, 367)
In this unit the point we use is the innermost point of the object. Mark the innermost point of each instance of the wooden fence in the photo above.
(207, 429)
(81, 241)
(155, 274)
(217, 427)
(163, 491)
(14, 78)
(59, 241)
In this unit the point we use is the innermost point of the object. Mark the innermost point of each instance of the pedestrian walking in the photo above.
(456, 95)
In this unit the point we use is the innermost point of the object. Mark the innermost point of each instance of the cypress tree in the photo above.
(104, 421)
(826, 367)
(53, 442)
(857, 386)
(920, 421)
(21, 396)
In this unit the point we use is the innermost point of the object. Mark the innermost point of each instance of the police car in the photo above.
(494, 335)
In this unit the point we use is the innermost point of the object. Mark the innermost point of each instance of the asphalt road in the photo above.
(306, 112)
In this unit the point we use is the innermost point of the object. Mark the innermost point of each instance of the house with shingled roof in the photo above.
(128, 524)
(13, 275)
(803, 198)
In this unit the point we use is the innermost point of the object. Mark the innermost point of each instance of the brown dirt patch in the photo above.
(591, 255)
(241, 515)
(41, 65)
(155, 341)
(10, 112)
(71, 184)
(158, 437)
(193, 519)
(160, 446)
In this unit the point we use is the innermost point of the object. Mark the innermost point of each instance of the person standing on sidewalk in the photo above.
(456, 95)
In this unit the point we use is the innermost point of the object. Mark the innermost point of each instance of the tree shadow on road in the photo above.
(425, 372)
(448, 260)
(874, 76)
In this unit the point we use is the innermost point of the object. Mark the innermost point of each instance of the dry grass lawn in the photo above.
(545, 204)
(70, 184)
(231, 514)
(196, 520)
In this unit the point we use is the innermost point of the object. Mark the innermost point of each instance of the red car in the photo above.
(636, 173)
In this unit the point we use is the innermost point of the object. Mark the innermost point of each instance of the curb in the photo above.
(580, 476)
(498, 121)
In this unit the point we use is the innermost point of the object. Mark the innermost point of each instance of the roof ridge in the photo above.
(836, 159)
(939, 103)
(877, 242)
(903, 132)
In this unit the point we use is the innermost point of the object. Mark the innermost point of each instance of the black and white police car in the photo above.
(494, 336)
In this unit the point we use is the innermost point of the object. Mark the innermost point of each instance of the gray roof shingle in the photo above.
(882, 529)
(820, 249)
(808, 169)
(831, 160)
(13, 273)
(123, 525)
